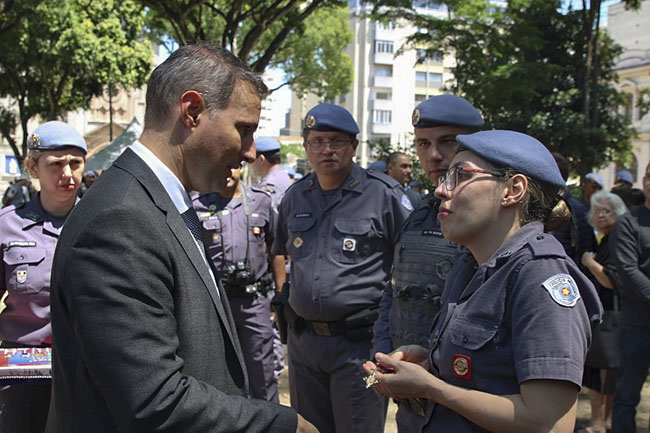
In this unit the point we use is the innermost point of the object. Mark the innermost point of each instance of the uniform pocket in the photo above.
(351, 242)
(22, 269)
(299, 236)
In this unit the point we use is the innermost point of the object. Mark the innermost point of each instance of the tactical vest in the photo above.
(421, 263)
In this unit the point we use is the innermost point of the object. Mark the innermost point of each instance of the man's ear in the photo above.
(516, 190)
(191, 105)
(31, 167)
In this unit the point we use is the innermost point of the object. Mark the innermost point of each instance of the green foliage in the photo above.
(58, 54)
(305, 38)
(528, 67)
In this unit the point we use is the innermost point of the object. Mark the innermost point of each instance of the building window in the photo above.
(429, 4)
(382, 116)
(384, 46)
(435, 77)
(383, 95)
(390, 25)
(429, 57)
(384, 72)
(424, 79)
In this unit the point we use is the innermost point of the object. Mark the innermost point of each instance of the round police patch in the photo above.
(563, 289)
(406, 203)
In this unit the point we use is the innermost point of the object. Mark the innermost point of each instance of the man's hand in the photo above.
(305, 426)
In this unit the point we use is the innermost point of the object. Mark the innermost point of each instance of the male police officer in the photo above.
(400, 167)
(338, 225)
(422, 256)
(238, 229)
(267, 165)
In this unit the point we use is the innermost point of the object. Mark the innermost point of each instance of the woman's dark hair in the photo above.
(542, 202)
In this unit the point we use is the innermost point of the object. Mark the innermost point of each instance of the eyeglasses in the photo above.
(451, 178)
(318, 144)
(602, 211)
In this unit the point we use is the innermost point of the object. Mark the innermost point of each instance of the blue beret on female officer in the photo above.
(56, 157)
(516, 315)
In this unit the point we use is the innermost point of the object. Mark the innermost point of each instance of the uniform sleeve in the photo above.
(549, 340)
(122, 307)
(3, 282)
(624, 249)
(396, 214)
(381, 329)
(281, 234)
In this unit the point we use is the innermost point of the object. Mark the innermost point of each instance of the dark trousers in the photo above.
(634, 346)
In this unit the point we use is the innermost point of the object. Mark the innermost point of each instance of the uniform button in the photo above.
(22, 257)
(540, 237)
(316, 278)
(465, 339)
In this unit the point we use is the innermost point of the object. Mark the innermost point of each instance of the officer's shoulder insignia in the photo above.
(415, 118)
(406, 203)
(563, 289)
(33, 216)
(268, 188)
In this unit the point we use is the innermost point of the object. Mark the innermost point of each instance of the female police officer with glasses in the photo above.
(28, 236)
(508, 346)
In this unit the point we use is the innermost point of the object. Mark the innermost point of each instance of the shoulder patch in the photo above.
(406, 203)
(268, 188)
(563, 289)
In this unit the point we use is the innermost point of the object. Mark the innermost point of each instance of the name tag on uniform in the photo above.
(431, 233)
(303, 215)
(21, 244)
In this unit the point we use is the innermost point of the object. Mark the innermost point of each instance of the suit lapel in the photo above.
(133, 164)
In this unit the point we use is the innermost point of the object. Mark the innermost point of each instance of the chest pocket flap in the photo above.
(472, 335)
(300, 224)
(18, 256)
(353, 227)
(212, 224)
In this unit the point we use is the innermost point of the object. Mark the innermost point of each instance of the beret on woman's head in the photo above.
(510, 149)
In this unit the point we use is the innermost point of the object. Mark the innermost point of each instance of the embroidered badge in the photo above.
(215, 237)
(349, 244)
(310, 121)
(21, 276)
(297, 242)
(21, 244)
(407, 203)
(415, 118)
(462, 366)
(563, 289)
(257, 231)
(34, 141)
(432, 233)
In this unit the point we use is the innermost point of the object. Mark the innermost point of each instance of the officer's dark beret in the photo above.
(267, 144)
(446, 110)
(329, 117)
(510, 149)
(55, 135)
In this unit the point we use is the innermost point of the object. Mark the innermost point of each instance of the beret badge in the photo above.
(310, 121)
(415, 118)
(34, 141)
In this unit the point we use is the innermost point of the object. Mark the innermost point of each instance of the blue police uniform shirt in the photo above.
(27, 242)
(525, 314)
(340, 242)
(276, 182)
(226, 230)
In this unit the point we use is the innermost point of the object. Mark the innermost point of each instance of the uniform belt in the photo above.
(254, 289)
(326, 329)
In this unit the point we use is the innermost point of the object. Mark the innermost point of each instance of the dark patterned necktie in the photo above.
(193, 223)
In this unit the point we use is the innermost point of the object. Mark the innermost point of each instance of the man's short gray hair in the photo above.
(210, 70)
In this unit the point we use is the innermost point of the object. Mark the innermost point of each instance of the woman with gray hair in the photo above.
(602, 358)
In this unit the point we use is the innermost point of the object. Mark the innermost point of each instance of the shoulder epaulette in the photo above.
(376, 174)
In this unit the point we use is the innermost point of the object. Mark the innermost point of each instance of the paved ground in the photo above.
(643, 410)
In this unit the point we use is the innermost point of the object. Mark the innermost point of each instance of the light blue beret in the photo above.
(329, 117)
(510, 149)
(289, 169)
(446, 110)
(595, 177)
(267, 144)
(378, 165)
(55, 135)
(625, 176)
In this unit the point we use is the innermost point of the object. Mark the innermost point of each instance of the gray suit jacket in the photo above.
(141, 340)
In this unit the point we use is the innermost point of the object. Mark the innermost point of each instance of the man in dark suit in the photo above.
(143, 337)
